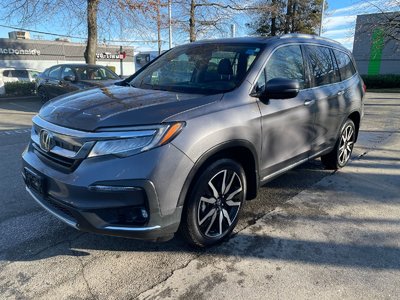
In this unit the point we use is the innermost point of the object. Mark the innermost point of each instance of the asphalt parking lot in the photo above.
(298, 239)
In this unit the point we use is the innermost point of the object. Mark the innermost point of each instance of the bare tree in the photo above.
(384, 15)
(208, 16)
(91, 45)
(286, 16)
(100, 15)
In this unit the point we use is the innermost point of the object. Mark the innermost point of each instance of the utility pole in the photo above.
(158, 27)
(322, 17)
(121, 62)
(233, 30)
(170, 23)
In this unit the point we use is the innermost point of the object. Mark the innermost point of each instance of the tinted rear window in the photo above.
(346, 67)
(20, 73)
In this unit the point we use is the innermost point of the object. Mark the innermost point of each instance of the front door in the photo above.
(66, 86)
(52, 81)
(287, 124)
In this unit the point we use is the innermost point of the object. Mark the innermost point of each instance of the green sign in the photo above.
(375, 58)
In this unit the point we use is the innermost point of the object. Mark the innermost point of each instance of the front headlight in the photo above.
(136, 140)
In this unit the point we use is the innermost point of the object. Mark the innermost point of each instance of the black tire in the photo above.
(42, 93)
(212, 207)
(341, 153)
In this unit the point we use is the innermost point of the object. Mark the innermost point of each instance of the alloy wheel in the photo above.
(346, 144)
(220, 203)
(43, 95)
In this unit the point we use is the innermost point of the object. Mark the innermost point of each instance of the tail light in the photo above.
(364, 88)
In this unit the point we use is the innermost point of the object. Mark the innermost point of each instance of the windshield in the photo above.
(94, 73)
(208, 69)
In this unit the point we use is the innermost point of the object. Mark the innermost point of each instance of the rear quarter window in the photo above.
(345, 65)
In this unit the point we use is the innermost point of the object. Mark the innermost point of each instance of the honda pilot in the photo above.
(181, 144)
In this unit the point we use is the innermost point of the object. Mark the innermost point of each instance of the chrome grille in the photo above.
(67, 153)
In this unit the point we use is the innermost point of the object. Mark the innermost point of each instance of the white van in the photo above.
(14, 74)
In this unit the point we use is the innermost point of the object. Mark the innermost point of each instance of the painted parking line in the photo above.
(15, 132)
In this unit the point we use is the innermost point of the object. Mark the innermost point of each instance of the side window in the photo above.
(346, 67)
(54, 73)
(67, 71)
(286, 62)
(321, 65)
(20, 74)
(7, 73)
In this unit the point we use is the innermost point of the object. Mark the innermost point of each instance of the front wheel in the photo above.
(340, 155)
(213, 205)
(42, 93)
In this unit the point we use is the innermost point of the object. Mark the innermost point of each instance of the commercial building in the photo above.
(374, 50)
(19, 51)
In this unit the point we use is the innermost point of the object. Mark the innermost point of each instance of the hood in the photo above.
(116, 106)
(98, 83)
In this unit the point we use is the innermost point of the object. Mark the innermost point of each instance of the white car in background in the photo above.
(16, 74)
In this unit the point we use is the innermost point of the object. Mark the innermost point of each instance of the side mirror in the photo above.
(281, 88)
(69, 78)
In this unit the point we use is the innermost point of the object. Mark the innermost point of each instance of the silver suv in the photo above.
(183, 142)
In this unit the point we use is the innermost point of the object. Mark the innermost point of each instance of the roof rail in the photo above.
(307, 36)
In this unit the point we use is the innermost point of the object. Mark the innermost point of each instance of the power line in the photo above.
(79, 37)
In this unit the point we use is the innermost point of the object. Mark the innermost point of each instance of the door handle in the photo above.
(309, 102)
(340, 93)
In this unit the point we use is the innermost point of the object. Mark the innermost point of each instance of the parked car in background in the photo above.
(181, 144)
(66, 78)
(16, 74)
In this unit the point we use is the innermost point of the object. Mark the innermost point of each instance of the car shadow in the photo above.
(374, 252)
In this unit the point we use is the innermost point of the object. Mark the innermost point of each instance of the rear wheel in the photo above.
(213, 205)
(340, 155)
(44, 96)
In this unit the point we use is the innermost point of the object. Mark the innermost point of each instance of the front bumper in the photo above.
(147, 211)
(90, 222)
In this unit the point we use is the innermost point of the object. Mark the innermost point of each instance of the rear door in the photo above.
(352, 86)
(287, 124)
(327, 92)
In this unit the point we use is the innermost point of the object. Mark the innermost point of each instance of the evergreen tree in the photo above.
(278, 17)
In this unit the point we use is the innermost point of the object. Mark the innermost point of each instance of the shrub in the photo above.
(381, 81)
(19, 88)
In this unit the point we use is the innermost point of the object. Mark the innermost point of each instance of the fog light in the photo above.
(145, 215)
